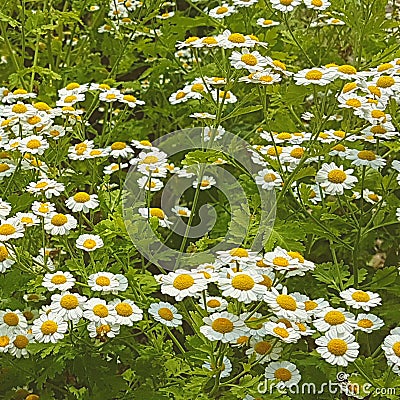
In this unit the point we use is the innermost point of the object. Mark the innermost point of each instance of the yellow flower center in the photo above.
(286, 2)
(124, 309)
(224, 95)
(366, 155)
(270, 177)
(20, 91)
(282, 332)
(301, 326)
(353, 103)
(238, 252)
(349, 86)
(72, 86)
(262, 347)
(249, 59)
(81, 197)
(338, 347)
(49, 327)
(34, 120)
(191, 39)
(21, 341)
(222, 10)
(157, 212)
(347, 69)
(384, 67)
(103, 329)
(378, 130)
(314, 75)
(7, 229)
(317, 3)
(3, 253)
(222, 325)
(361, 296)
(375, 91)
(166, 313)
(27, 220)
(118, 146)
(334, 318)
(100, 310)
(267, 281)
(41, 185)
(310, 305)
(33, 144)
(287, 302)
(272, 152)
(183, 281)
(89, 244)
(150, 160)
(213, 303)
(385, 81)
(110, 96)
(19, 108)
(243, 282)
(365, 323)
(268, 22)
(280, 262)
(4, 341)
(204, 183)
(283, 374)
(69, 302)
(58, 279)
(298, 152)
(236, 38)
(59, 220)
(4, 167)
(378, 114)
(279, 64)
(210, 40)
(242, 340)
(104, 86)
(145, 143)
(373, 197)
(70, 99)
(11, 319)
(337, 176)
(32, 397)
(296, 254)
(396, 349)
(103, 281)
(129, 98)
(198, 87)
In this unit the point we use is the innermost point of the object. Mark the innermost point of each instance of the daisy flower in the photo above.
(181, 211)
(130, 100)
(316, 76)
(120, 149)
(127, 312)
(391, 347)
(360, 299)
(267, 23)
(282, 332)
(5, 209)
(285, 5)
(6, 169)
(285, 372)
(366, 158)
(5, 342)
(319, 5)
(206, 182)
(265, 77)
(281, 261)
(151, 184)
(100, 331)
(181, 284)
(59, 224)
(114, 167)
(223, 326)
(11, 229)
(225, 368)
(48, 187)
(97, 310)
(213, 303)
(19, 345)
(368, 323)
(68, 306)
(163, 220)
(103, 282)
(33, 144)
(389, 84)
(334, 319)
(59, 280)
(229, 40)
(264, 350)
(338, 348)
(268, 179)
(43, 209)
(222, 11)
(241, 285)
(179, 97)
(224, 97)
(6, 258)
(152, 159)
(254, 323)
(334, 21)
(286, 305)
(69, 99)
(165, 313)
(143, 145)
(89, 242)
(27, 219)
(237, 255)
(49, 328)
(345, 71)
(82, 201)
(334, 179)
(252, 61)
(12, 322)
(110, 96)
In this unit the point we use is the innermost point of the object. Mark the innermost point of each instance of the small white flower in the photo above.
(82, 201)
(127, 312)
(97, 310)
(68, 306)
(334, 179)
(268, 179)
(360, 299)
(89, 242)
(206, 182)
(59, 280)
(165, 313)
(59, 224)
(285, 372)
(368, 323)
(49, 328)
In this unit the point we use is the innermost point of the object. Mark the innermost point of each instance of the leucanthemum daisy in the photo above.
(127, 312)
(285, 372)
(165, 313)
(282, 332)
(149, 183)
(12, 322)
(59, 224)
(7, 258)
(181, 211)
(368, 323)
(316, 76)
(68, 306)
(19, 345)
(59, 280)
(319, 5)
(114, 167)
(206, 182)
(82, 201)
(360, 299)
(102, 331)
(43, 208)
(33, 144)
(182, 283)
(225, 368)
(27, 219)
(11, 229)
(255, 324)
(226, 97)
(338, 348)
(366, 158)
(49, 328)
(252, 61)
(223, 326)
(99, 311)
(280, 260)
(230, 40)
(163, 220)
(89, 242)
(391, 347)
(264, 350)
(334, 179)
(120, 149)
(48, 187)
(106, 282)
(267, 23)
(268, 179)
(5, 342)
(285, 5)
(225, 10)
(213, 303)
(265, 77)
(334, 319)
